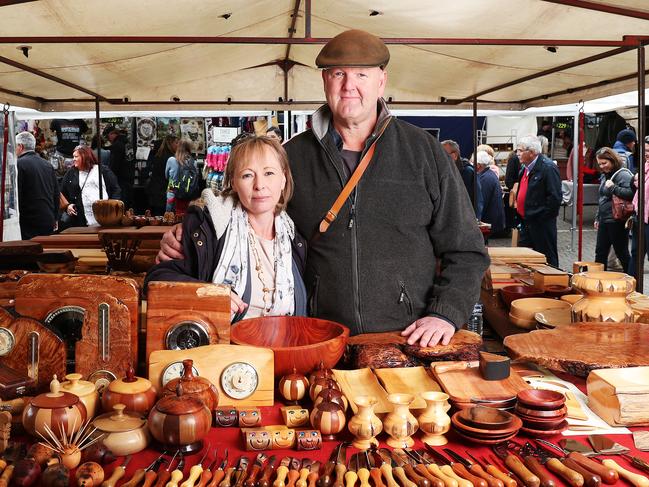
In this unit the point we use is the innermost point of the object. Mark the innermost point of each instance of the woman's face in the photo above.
(76, 158)
(174, 145)
(259, 182)
(605, 165)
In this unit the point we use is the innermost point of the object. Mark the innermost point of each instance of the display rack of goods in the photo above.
(604, 298)
(125, 432)
(193, 386)
(180, 422)
(136, 393)
(55, 410)
(86, 391)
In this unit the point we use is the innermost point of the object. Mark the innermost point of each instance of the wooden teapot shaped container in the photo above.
(193, 386)
(124, 432)
(136, 393)
(54, 410)
(321, 373)
(180, 422)
(86, 391)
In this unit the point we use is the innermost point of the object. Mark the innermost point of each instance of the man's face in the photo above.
(646, 153)
(352, 93)
(449, 150)
(631, 145)
(19, 149)
(525, 155)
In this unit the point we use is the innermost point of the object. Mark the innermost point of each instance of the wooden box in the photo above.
(620, 396)
(545, 275)
(184, 315)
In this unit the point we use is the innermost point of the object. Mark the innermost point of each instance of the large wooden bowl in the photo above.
(512, 293)
(298, 342)
(108, 213)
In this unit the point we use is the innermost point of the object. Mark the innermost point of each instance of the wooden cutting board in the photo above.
(515, 254)
(465, 385)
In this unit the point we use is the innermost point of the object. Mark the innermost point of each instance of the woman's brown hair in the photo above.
(246, 150)
(166, 147)
(88, 157)
(184, 151)
(610, 155)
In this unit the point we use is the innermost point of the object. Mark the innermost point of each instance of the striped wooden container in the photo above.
(329, 418)
(180, 422)
(136, 393)
(293, 387)
(59, 411)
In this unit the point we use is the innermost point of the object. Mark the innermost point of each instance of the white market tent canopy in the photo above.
(259, 55)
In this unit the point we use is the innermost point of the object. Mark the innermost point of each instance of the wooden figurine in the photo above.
(257, 439)
(308, 440)
(294, 416)
(226, 416)
(5, 429)
(282, 437)
(249, 417)
(293, 387)
(329, 418)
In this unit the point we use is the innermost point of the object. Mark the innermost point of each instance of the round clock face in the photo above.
(174, 371)
(101, 379)
(7, 341)
(239, 380)
(185, 335)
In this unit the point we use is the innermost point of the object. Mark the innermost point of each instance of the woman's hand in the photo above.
(71, 209)
(596, 225)
(236, 304)
(609, 184)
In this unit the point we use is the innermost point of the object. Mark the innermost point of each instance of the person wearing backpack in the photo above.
(615, 188)
(183, 183)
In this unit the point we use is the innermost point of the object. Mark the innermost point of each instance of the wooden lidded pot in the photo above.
(136, 393)
(180, 421)
(319, 384)
(193, 386)
(321, 373)
(56, 410)
(86, 391)
(125, 432)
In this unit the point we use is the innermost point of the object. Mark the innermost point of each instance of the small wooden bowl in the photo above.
(544, 425)
(526, 308)
(484, 441)
(537, 432)
(522, 323)
(513, 426)
(485, 418)
(108, 213)
(297, 341)
(541, 399)
(556, 290)
(512, 293)
(541, 413)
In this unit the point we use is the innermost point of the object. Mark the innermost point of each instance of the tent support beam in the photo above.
(609, 9)
(7, 3)
(287, 64)
(307, 19)
(23, 95)
(475, 155)
(641, 164)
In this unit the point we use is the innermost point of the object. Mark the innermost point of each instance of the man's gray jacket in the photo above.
(405, 244)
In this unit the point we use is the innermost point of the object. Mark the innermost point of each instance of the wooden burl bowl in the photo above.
(297, 341)
(108, 213)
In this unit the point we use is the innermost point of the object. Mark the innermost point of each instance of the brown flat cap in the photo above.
(353, 48)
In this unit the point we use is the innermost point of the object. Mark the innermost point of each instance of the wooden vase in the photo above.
(434, 421)
(193, 386)
(319, 384)
(400, 424)
(136, 393)
(604, 297)
(365, 425)
(293, 387)
(329, 418)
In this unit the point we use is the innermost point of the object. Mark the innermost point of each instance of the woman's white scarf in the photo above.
(232, 268)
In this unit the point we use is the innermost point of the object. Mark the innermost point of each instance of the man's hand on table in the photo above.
(429, 331)
(170, 245)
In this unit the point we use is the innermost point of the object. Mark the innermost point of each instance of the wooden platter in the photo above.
(362, 382)
(464, 384)
(408, 380)
(582, 347)
(515, 255)
(463, 346)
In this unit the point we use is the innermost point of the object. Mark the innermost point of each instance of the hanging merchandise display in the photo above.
(215, 162)
(193, 129)
(10, 229)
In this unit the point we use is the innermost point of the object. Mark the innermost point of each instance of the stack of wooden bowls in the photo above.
(543, 412)
(484, 425)
(519, 291)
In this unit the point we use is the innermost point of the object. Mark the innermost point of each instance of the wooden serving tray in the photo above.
(465, 385)
(362, 382)
(408, 380)
(582, 347)
(515, 255)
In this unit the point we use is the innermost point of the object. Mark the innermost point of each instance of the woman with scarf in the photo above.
(244, 238)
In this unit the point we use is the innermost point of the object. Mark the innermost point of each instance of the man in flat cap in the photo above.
(405, 252)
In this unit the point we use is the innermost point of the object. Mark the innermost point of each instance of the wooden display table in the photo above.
(91, 229)
(121, 244)
(69, 241)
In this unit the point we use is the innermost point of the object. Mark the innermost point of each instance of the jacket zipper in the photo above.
(404, 298)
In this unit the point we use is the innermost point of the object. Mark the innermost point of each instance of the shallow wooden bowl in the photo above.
(108, 213)
(526, 308)
(539, 432)
(512, 293)
(298, 342)
(541, 413)
(513, 426)
(485, 418)
(544, 425)
(541, 399)
(484, 441)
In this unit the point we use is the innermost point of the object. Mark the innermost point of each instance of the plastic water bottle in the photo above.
(475, 321)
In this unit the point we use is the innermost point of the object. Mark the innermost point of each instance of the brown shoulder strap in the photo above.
(332, 214)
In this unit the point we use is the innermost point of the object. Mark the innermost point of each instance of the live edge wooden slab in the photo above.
(581, 347)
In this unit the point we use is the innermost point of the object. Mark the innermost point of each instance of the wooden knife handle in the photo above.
(461, 470)
(375, 475)
(117, 474)
(415, 477)
(636, 479)
(205, 478)
(574, 478)
(340, 475)
(292, 477)
(5, 478)
(264, 480)
(434, 469)
(502, 476)
(424, 472)
(492, 481)
(149, 478)
(515, 465)
(386, 470)
(281, 476)
(137, 477)
(399, 473)
(350, 478)
(537, 469)
(609, 475)
(301, 481)
(364, 476)
(590, 479)
(227, 478)
(217, 476)
(461, 482)
(312, 479)
(252, 478)
(325, 479)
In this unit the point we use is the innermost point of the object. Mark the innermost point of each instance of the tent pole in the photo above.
(3, 172)
(307, 19)
(475, 156)
(641, 165)
(97, 122)
(575, 179)
(580, 182)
